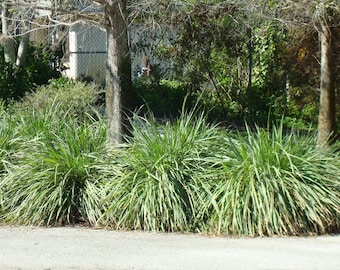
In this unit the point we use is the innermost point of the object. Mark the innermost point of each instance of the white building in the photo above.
(87, 52)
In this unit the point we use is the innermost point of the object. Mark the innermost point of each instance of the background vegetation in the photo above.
(16, 81)
(245, 69)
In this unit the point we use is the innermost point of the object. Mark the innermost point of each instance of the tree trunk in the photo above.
(327, 123)
(23, 45)
(250, 72)
(6, 40)
(118, 70)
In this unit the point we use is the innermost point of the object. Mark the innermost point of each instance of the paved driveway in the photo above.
(82, 248)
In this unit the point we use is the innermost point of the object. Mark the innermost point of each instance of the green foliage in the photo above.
(267, 94)
(161, 179)
(303, 106)
(303, 76)
(42, 64)
(16, 81)
(53, 153)
(73, 98)
(8, 137)
(210, 55)
(162, 97)
(55, 176)
(274, 183)
(188, 177)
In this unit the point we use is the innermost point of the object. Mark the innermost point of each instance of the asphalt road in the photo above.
(83, 248)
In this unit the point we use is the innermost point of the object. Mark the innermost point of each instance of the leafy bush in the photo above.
(74, 98)
(55, 177)
(164, 98)
(274, 183)
(16, 81)
(43, 63)
(161, 180)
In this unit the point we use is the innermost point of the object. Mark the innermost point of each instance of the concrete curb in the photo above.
(85, 249)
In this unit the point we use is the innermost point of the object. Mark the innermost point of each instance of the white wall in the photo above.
(87, 45)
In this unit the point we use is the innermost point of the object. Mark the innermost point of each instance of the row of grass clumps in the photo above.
(190, 176)
(182, 176)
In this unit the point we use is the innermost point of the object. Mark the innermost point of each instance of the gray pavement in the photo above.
(88, 249)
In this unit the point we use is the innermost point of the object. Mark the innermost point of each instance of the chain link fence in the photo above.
(83, 53)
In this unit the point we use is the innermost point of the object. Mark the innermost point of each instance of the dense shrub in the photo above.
(16, 81)
(52, 176)
(183, 176)
(74, 98)
(187, 176)
(162, 97)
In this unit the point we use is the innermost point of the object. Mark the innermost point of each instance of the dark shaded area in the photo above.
(42, 64)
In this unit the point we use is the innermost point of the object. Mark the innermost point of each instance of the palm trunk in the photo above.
(327, 123)
(118, 69)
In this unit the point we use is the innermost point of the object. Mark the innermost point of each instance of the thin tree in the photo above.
(118, 68)
(328, 22)
(9, 26)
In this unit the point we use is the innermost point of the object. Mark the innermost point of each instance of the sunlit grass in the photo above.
(8, 138)
(161, 181)
(55, 177)
(9, 143)
(274, 183)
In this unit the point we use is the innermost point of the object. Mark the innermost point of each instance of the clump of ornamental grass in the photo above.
(274, 183)
(39, 123)
(161, 181)
(55, 178)
(9, 142)
(8, 137)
